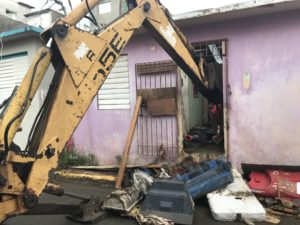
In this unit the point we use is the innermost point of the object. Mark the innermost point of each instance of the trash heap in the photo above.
(152, 199)
(278, 190)
(159, 194)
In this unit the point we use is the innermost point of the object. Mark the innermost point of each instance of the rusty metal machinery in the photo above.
(124, 200)
(82, 62)
(89, 210)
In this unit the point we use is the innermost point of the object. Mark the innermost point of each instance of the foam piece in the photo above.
(235, 201)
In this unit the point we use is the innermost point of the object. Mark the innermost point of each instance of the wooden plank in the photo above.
(156, 93)
(115, 167)
(156, 67)
(162, 107)
(128, 142)
(88, 176)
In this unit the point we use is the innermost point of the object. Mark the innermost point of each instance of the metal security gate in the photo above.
(157, 135)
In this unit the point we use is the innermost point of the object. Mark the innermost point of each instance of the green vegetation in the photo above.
(69, 158)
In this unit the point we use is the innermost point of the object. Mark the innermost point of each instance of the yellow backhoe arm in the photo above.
(82, 62)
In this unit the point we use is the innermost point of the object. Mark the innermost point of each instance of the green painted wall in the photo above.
(192, 106)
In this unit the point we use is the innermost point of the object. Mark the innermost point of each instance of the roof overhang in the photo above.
(235, 11)
(231, 12)
(26, 31)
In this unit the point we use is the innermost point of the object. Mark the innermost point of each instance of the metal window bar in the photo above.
(203, 47)
(159, 132)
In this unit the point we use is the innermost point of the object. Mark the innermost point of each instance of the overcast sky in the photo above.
(174, 6)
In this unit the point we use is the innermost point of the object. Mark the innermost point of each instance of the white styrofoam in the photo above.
(236, 200)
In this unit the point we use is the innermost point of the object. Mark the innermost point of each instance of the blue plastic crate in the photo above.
(213, 175)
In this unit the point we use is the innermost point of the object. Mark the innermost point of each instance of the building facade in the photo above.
(260, 70)
(20, 40)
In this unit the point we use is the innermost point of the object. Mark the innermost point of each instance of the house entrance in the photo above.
(157, 123)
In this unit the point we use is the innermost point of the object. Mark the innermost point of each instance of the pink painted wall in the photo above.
(264, 124)
(104, 132)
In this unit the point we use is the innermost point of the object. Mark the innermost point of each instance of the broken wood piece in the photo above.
(284, 209)
(153, 220)
(248, 221)
(84, 175)
(156, 94)
(162, 107)
(116, 167)
(155, 67)
(123, 163)
(277, 213)
(270, 218)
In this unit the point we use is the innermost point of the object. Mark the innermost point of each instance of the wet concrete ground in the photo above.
(202, 215)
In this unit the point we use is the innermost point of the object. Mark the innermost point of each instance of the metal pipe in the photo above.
(192, 137)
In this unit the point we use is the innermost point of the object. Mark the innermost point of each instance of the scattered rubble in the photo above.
(153, 220)
(240, 202)
(270, 218)
(163, 195)
(164, 199)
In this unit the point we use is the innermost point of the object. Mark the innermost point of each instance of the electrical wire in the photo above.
(86, 17)
(26, 20)
(63, 8)
(17, 23)
(93, 19)
(70, 4)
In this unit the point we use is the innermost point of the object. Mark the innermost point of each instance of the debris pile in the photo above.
(163, 195)
(241, 203)
(166, 199)
(278, 191)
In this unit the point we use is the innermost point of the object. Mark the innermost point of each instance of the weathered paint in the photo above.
(264, 127)
(104, 132)
(157, 133)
